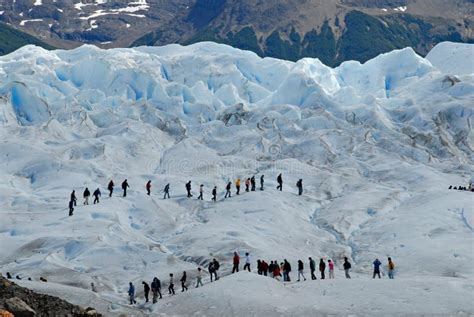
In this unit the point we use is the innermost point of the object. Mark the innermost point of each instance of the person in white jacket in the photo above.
(199, 278)
(247, 261)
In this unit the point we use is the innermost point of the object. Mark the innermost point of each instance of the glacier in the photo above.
(377, 145)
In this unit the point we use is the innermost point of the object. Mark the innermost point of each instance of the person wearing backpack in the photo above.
(300, 270)
(227, 188)
(86, 195)
(124, 187)
(146, 290)
(183, 282)
(156, 289)
(216, 268)
(110, 187)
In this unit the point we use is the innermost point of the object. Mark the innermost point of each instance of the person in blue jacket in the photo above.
(377, 265)
(131, 294)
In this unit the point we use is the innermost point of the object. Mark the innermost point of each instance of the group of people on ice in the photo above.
(279, 271)
(250, 185)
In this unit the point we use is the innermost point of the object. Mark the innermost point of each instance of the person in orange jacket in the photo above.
(237, 185)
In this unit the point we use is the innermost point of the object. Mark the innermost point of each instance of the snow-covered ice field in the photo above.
(377, 146)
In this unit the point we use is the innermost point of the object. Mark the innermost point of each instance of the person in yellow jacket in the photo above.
(237, 185)
(391, 268)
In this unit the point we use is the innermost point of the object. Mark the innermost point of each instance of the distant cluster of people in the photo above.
(469, 188)
(250, 185)
(277, 270)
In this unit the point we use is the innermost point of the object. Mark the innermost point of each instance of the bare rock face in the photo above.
(18, 307)
(21, 302)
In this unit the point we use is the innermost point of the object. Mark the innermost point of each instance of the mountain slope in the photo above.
(12, 39)
(333, 31)
(376, 144)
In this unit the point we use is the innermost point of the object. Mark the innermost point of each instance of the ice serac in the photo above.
(376, 144)
(453, 58)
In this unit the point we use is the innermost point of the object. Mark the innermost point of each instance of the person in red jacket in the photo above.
(236, 262)
(276, 272)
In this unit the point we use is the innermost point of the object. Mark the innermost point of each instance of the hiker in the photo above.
(188, 189)
(252, 182)
(377, 265)
(148, 187)
(280, 182)
(262, 180)
(299, 184)
(183, 282)
(146, 289)
(156, 289)
(216, 268)
(227, 188)
(235, 262)
(247, 262)
(312, 267)
(201, 192)
(247, 184)
(259, 267)
(214, 194)
(212, 270)
(171, 286)
(347, 266)
(71, 207)
(131, 294)
(86, 195)
(74, 198)
(331, 269)
(110, 187)
(124, 187)
(286, 271)
(264, 267)
(97, 194)
(276, 271)
(199, 278)
(300, 270)
(391, 268)
(93, 288)
(322, 268)
(237, 186)
(167, 191)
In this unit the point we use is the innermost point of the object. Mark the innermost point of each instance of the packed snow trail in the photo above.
(376, 144)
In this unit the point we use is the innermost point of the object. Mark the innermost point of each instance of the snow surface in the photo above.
(377, 145)
(453, 58)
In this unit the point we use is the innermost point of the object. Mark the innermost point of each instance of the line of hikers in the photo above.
(274, 270)
(250, 185)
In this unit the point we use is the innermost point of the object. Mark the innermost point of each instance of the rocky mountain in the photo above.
(333, 31)
(20, 301)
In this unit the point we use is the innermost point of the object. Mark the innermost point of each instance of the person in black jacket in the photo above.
(312, 267)
(214, 194)
(322, 268)
(167, 191)
(183, 282)
(97, 194)
(347, 267)
(252, 183)
(71, 207)
(110, 187)
(86, 195)
(262, 180)
(156, 289)
(299, 184)
(286, 271)
(259, 267)
(146, 289)
(74, 198)
(124, 187)
(280, 182)
(216, 268)
(188, 189)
